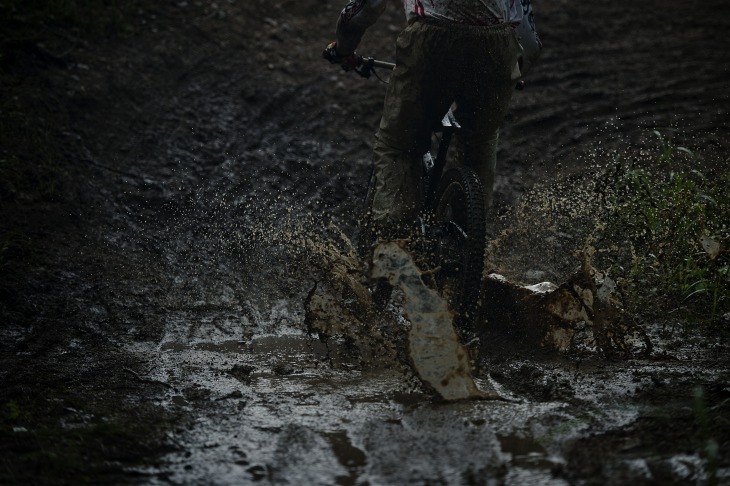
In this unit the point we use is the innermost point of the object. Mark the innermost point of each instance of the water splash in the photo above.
(438, 357)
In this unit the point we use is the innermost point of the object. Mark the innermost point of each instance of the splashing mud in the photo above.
(438, 357)
(272, 402)
(581, 315)
(342, 305)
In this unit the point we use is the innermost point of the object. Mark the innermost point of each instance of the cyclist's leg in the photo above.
(484, 99)
(397, 189)
(478, 139)
(478, 150)
(412, 104)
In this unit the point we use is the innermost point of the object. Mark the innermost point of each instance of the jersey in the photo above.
(474, 12)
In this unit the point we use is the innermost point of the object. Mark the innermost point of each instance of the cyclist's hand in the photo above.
(347, 62)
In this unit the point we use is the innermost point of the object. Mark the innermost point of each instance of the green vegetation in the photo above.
(665, 230)
(655, 217)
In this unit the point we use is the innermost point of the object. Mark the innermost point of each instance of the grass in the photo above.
(664, 229)
(655, 217)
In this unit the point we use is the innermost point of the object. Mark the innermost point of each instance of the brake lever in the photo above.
(365, 66)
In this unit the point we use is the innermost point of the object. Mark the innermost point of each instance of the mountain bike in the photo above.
(451, 240)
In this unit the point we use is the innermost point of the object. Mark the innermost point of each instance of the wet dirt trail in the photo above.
(217, 160)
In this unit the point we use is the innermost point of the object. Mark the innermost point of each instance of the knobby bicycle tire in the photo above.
(460, 236)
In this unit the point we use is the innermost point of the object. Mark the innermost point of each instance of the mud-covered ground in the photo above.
(172, 183)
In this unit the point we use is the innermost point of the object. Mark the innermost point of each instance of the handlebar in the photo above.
(365, 66)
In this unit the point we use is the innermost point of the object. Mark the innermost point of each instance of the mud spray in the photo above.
(541, 288)
(439, 359)
(295, 251)
(418, 333)
(540, 291)
(273, 342)
(546, 239)
(580, 314)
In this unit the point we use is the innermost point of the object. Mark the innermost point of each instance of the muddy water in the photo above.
(272, 407)
(270, 403)
(267, 402)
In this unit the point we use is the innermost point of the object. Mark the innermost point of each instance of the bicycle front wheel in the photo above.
(459, 237)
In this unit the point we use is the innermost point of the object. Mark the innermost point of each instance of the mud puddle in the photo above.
(270, 403)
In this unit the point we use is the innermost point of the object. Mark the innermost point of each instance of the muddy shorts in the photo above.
(438, 65)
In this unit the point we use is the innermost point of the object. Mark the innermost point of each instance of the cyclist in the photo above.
(463, 52)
